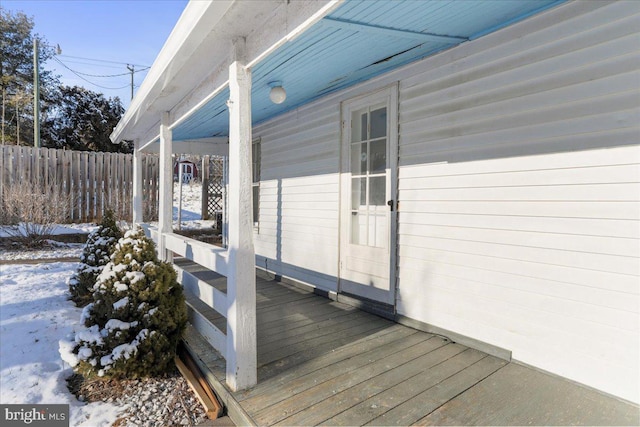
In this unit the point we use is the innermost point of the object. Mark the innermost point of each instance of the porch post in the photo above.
(165, 211)
(241, 278)
(137, 216)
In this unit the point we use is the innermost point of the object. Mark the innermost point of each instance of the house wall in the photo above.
(519, 184)
(297, 235)
(519, 172)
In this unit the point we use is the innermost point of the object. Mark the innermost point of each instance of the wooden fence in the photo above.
(93, 181)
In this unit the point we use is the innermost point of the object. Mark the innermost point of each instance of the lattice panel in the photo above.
(215, 187)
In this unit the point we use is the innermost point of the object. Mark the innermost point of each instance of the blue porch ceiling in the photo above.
(359, 40)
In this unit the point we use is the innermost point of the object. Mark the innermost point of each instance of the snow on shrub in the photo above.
(136, 318)
(95, 255)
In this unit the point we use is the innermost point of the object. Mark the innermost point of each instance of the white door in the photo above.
(368, 196)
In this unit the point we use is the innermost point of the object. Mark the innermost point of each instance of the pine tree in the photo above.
(136, 318)
(95, 255)
(84, 121)
(16, 78)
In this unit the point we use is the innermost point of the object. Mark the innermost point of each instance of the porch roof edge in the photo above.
(195, 23)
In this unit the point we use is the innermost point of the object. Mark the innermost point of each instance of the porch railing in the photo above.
(210, 257)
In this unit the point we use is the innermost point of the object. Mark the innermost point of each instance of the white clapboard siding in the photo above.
(297, 235)
(519, 192)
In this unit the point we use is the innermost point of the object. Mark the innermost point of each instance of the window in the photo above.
(368, 166)
(255, 163)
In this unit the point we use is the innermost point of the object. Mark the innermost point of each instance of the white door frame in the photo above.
(388, 95)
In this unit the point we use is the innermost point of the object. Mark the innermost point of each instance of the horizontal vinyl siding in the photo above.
(567, 91)
(299, 194)
(519, 192)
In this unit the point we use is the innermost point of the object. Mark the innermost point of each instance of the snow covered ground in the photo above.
(34, 315)
(191, 206)
(190, 220)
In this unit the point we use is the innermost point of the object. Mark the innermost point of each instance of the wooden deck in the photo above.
(324, 362)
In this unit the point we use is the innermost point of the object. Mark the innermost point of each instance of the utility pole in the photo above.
(36, 95)
(131, 68)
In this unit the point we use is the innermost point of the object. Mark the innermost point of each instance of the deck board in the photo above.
(330, 365)
(317, 329)
(283, 387)
(344, 402)
(429, 399)
(369, 381)
(322, 362)
(316, 348)
(303, 404)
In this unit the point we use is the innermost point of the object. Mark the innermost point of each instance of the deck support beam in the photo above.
(138, 209)
(165, 211)
(241, 352)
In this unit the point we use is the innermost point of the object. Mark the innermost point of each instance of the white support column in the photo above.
(138, 209)
(165, 211)
(241, 279)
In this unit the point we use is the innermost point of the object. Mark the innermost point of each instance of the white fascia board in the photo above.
(195, 23)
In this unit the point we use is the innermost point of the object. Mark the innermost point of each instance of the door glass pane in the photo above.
(378, 123)
(359, 126)
(358, 192)
(355, 159)
(359, 158)
(377, 191)
(378, 156)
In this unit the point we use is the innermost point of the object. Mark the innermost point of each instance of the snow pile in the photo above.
(135, 320)
(34, 315)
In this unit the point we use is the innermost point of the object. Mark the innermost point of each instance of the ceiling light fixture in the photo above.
(277, 94)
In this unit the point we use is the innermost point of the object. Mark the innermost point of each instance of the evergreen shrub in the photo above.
(95, 255)
(137, 316)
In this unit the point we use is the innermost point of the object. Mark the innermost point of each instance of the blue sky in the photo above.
(122, 31)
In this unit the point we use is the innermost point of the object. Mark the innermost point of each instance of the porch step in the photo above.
(213, 366)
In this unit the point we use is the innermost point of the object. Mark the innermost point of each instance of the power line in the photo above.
(102, 75)
(92, 64)
(88, 81)
(103, 60)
